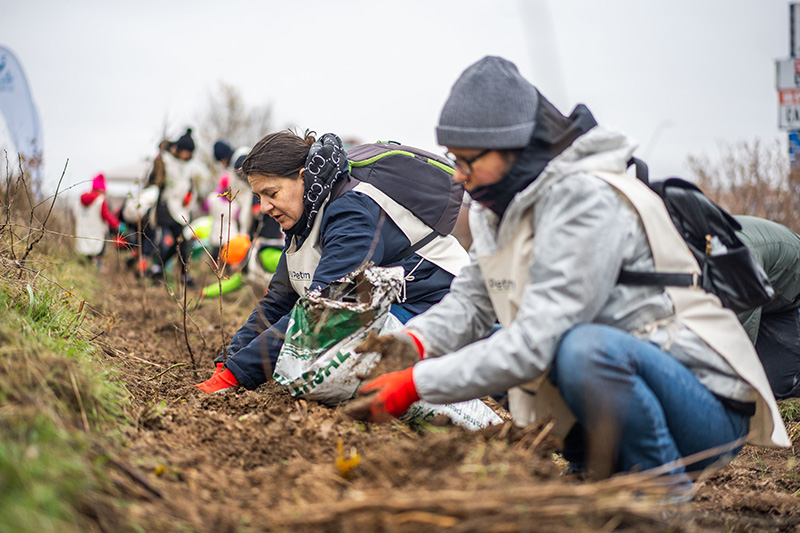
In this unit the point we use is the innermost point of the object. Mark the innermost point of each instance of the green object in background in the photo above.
(228, 285)
(269, 258)
(202, 227)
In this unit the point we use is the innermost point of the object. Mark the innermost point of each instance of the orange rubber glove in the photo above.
(395, 394)
(219, 381)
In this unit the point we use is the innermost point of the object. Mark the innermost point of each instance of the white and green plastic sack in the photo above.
(318, 359)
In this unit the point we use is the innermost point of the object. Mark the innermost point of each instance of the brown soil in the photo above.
(264, 461)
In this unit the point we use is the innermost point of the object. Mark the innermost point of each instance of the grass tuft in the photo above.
(55, 406)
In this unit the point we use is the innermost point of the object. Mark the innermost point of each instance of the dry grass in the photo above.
(751, 178)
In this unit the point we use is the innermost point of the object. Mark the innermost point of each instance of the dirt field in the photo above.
(263, 461)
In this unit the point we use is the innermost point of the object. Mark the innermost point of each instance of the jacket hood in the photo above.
(552, 134)
(598, 149)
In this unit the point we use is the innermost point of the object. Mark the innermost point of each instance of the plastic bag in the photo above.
(318, 359)
(471, 414)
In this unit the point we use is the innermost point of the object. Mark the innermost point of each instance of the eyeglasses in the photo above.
(464, 164)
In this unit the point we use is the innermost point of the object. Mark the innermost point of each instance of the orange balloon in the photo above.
(235, 251)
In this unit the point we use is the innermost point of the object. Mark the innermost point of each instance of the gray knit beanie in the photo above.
(490, 106)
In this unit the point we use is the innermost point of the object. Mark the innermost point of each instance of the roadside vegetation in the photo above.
(60, 407)
(751, 178)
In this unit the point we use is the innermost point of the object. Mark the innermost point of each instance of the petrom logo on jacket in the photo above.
(501, 285)
(295, 275)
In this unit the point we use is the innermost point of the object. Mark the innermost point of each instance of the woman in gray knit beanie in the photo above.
(490, 106)
(491, 115)
(631, 377)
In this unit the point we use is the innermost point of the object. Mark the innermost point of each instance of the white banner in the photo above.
(16, 105)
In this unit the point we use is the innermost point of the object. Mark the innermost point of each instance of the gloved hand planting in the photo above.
(390, 396)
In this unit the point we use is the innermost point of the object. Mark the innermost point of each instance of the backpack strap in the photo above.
(630, 277)
(642, 172)
(348, 183)
(413, 248)
(664, 279)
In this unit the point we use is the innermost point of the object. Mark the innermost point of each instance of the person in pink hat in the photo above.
(92, 217)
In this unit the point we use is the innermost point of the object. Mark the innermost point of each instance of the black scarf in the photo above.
(552, 134)
(325, 165)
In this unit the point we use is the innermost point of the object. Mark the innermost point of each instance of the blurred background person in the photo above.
(93, 219)
(174, 177)
(134, 213)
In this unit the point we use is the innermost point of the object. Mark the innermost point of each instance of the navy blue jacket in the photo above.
(347, 233)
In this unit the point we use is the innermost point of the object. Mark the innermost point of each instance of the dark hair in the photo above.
(280, 154)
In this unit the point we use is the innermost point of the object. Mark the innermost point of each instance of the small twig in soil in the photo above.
(220, 274)
(165, 371)
(139, 262)
(218, 264)
(143, 360)
(184, 309)
(96, 336)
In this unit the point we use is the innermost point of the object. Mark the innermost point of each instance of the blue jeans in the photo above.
(401, 314)
(639, 407)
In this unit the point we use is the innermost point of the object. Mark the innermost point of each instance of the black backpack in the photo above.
(728, 267)
(418, 180)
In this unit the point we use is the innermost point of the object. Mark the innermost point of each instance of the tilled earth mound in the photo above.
(264, 461)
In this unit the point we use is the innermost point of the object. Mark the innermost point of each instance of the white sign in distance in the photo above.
(787, 73)
(789, 117)
(788, 83)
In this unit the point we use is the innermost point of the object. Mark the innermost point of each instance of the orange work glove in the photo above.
(395, 392)
(219, 381)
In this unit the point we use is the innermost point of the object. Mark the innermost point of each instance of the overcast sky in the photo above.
(679, 76)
